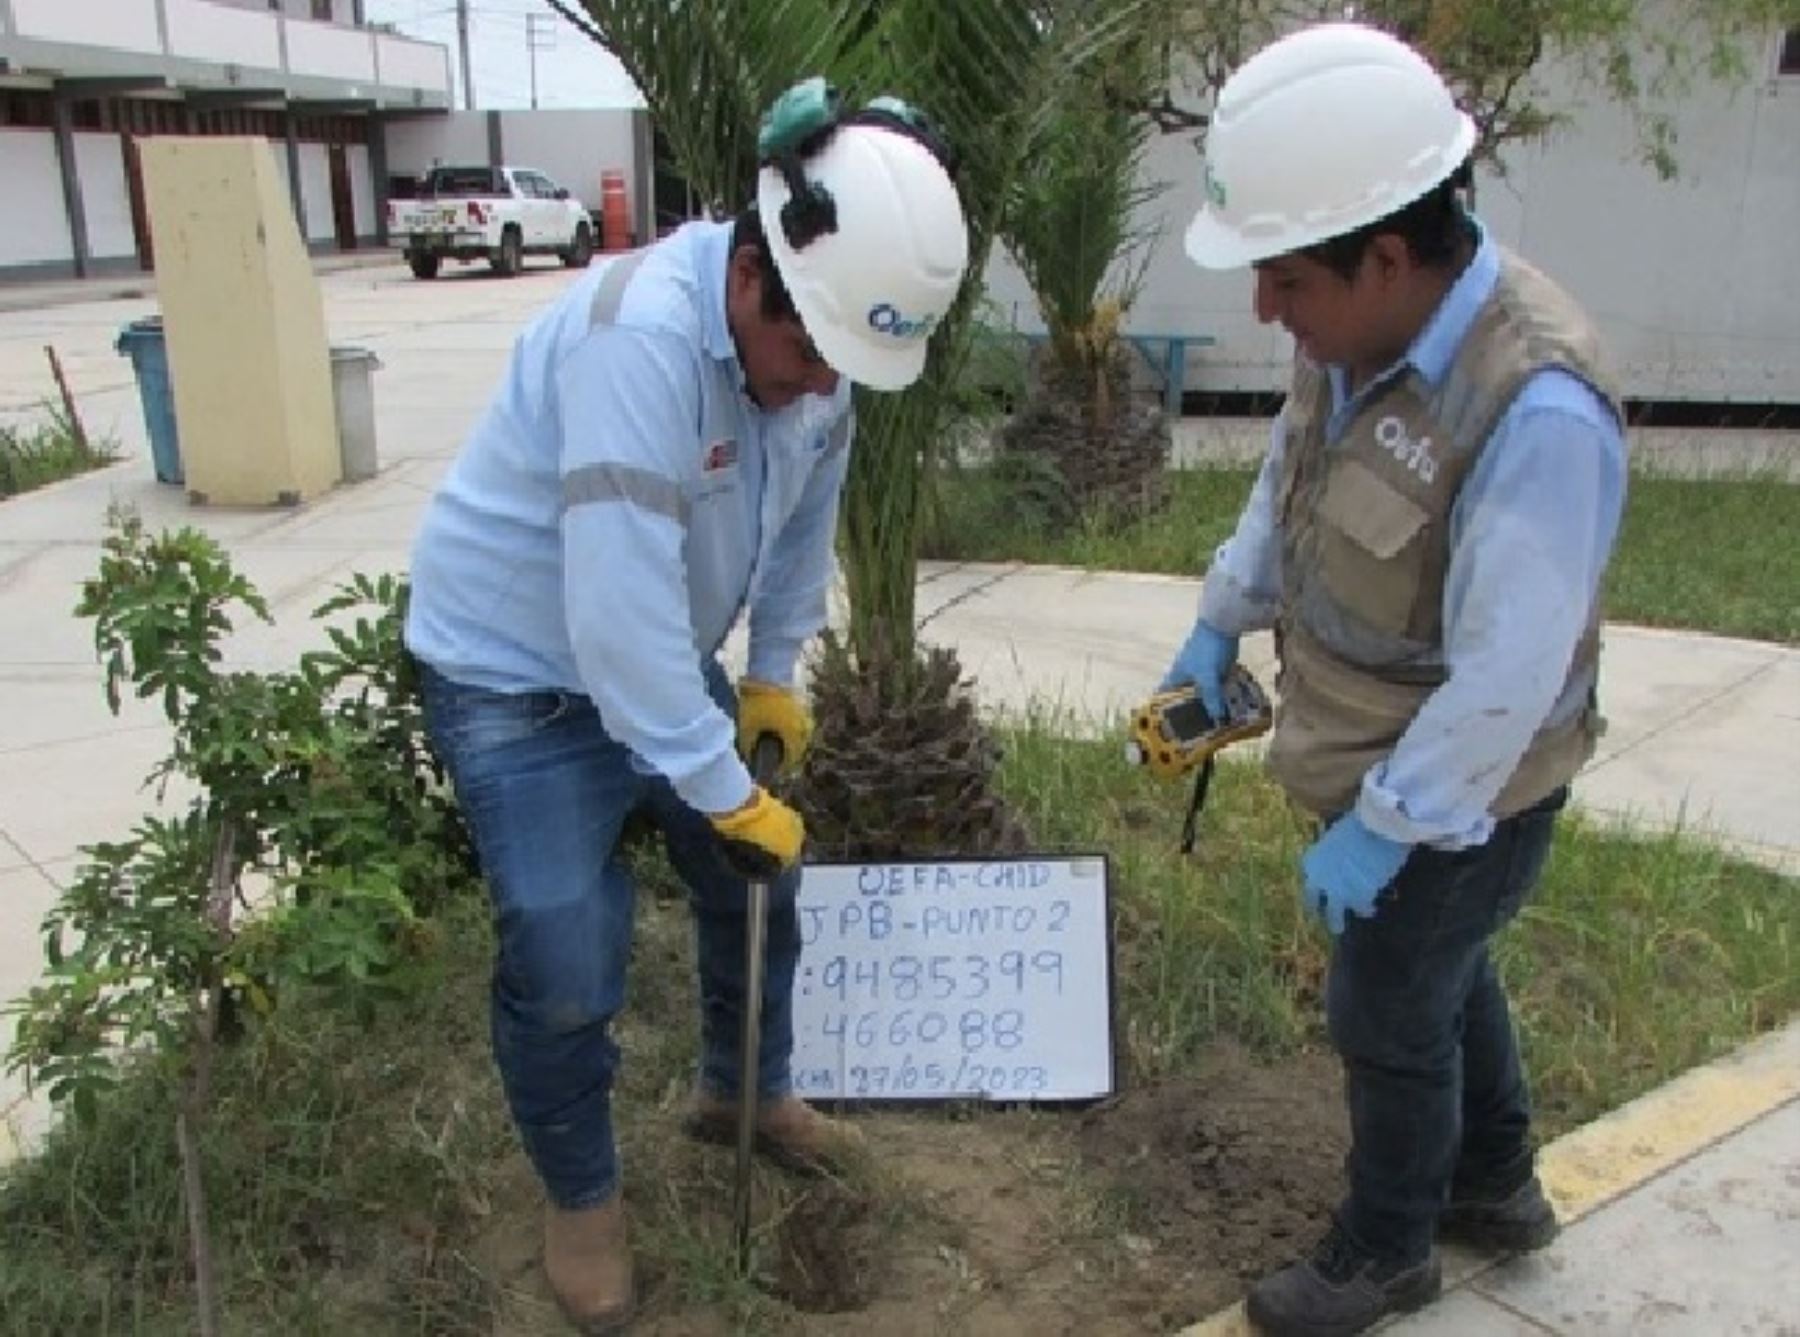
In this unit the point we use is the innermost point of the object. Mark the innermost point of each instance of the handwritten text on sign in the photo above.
(935, 980)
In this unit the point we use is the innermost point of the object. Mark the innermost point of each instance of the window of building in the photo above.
(23, 109)
(1788, 62)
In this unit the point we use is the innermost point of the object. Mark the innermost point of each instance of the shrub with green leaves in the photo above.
(319, 835)
(318, 838)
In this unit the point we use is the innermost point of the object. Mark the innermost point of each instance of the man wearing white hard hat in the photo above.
(666, 452)
(1427, 539)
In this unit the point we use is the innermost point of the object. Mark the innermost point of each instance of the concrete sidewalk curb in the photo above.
(44, 295)
(1586, 1170)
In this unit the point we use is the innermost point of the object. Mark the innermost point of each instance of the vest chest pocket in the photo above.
(1371, 548)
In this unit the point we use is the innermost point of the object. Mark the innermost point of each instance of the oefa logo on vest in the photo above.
(1412, 451)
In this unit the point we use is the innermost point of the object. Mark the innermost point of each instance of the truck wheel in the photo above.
(581, 250)
(511, 256)
(423, 266)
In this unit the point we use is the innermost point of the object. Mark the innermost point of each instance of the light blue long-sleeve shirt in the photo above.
(617, 506)
(1530, 534)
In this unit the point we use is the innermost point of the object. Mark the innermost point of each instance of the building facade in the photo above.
(1694, 281)
(83, 82)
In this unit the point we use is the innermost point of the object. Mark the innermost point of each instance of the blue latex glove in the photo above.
(1204, 661)
(1347, 868)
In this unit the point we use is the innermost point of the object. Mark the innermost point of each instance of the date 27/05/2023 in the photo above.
(907, 1076)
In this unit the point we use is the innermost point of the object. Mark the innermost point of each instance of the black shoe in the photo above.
(1340, 1290)
(1517, 1222)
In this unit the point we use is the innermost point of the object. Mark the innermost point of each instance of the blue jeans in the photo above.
(1432, 1075)
(546, 792)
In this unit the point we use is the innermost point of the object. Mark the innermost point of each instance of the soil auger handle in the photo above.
(765, 760)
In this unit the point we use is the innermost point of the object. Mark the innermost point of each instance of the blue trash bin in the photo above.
(142, 342)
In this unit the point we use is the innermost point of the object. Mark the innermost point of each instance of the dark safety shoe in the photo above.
(1515, 1222)
(1340, 1290)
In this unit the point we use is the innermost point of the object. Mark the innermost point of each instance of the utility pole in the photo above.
(462, 42)
(540, 35)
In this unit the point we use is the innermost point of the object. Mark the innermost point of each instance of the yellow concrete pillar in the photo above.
(244, 322)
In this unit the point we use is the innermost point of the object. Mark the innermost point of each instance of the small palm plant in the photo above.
(1075, 230)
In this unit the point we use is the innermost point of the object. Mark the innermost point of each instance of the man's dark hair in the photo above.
(748, 231)
(1434, 227)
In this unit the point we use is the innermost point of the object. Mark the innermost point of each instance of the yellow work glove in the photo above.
(761, 838)
(764, 708)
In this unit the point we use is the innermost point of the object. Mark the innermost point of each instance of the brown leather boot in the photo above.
(788, 1131)
(588, 1262)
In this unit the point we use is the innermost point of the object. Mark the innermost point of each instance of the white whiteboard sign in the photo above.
(921, 981)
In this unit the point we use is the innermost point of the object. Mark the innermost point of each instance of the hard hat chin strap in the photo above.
(802, 122)
(810, 212)
(891, 113)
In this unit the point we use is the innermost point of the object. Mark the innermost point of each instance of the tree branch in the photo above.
(1168, 118)
(582, 23)
(192, 1112)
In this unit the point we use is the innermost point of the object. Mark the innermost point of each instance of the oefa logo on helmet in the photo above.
(886, 318)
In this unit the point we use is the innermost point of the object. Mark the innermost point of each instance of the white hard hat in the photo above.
(1318, 134)
(872, 289)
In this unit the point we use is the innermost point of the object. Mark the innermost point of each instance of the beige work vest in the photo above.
(1365, 529)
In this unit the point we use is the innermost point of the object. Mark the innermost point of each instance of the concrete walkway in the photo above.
(1688, 1211)
(43, 294)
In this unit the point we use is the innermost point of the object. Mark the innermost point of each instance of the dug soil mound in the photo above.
(1136, 1216)
(1234, 1169)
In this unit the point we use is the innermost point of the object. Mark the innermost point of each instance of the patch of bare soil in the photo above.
(1137, 1216)
(1228, 1173)
(829, 1250)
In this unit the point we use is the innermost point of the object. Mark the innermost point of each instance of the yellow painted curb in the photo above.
(1598, 1162)
(1232, 1322)
(1619, 1151)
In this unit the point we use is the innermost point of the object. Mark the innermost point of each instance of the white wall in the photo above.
(407, 64)
(37, 225)
(315, 192)
(415, 146)
(202, 31)
(105, 196)
(129, 25)
(362, 191)
(1695, 282)
(327, 51)
(243, 33)
(573, 147)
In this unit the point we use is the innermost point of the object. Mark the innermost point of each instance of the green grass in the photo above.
(1719, 555)
(1716, 555)
(1639, 957)
(31, 457)
(365, 1179)
(979, 519)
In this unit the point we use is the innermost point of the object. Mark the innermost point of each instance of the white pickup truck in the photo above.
(497, 214)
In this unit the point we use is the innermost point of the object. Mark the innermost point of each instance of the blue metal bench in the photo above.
(1174, 362)
(1171, 366)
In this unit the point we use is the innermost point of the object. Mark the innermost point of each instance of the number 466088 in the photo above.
(974, 1029)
